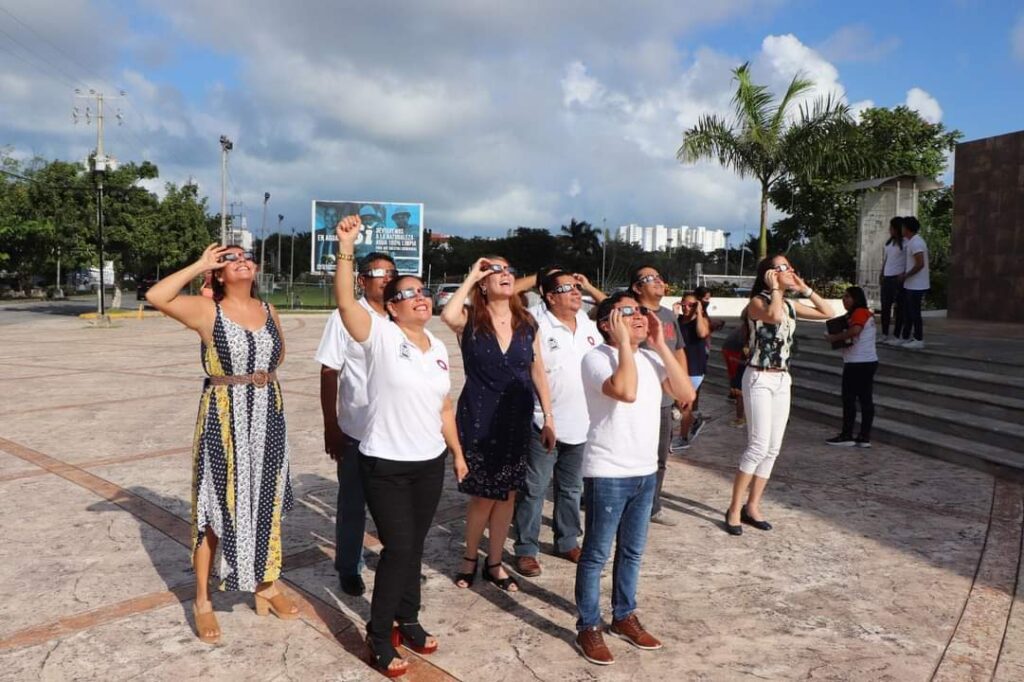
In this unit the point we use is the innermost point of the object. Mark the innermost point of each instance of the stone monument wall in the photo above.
(986, 279)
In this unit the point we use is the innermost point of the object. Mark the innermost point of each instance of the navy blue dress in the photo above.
(495, 412)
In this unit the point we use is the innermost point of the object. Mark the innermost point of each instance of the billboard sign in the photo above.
(392, 228)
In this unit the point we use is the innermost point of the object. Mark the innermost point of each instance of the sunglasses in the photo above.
(406, 294)
(629, 311)
(566, 288)
(232, 256)
(498, 267)
(379, 272)
(782, 267)
(647, 279)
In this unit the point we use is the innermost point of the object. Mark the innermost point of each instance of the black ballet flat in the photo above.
(751, 521)
(731, 529)
(468, 578)
(501, 583)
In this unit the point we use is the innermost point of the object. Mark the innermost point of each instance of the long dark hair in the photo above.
(860, 300)
(897, 239)
(521, 319)
(760, 284)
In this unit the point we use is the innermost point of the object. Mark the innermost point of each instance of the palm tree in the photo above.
(766, 142)
(581, 238)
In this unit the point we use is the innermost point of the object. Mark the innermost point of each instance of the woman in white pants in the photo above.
(766, 382)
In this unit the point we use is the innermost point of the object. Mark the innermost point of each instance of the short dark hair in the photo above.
(364, 262)
(392, 287)
(604, 309)
(701, 292)
(542, 274)
(634, 276)
(911, 223)
(548, 282)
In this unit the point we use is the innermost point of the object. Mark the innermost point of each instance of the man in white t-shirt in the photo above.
(566, 334)
(344, 403)
(916, 283)
(623, 384)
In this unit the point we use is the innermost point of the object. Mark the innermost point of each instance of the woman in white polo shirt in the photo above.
(409, 425)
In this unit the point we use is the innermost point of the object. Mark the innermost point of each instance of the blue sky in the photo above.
(492, 114)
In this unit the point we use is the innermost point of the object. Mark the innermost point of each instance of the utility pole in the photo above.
(263, 231)
(280, 219)
(225, 146)
(291, 272)
(727, 235)
(99, 165)
(604, 250)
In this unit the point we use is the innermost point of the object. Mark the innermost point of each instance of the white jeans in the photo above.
(766, 401)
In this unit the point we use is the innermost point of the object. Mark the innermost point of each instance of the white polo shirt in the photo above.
(406, 388)
(919, 281)
(339, 351)
(623, 437)
(895, 260)
(562, 352)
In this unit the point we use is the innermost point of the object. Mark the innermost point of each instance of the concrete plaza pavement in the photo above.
(883, 565)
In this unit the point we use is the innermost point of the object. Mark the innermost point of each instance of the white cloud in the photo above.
(1017, 39)
(856, 43)
(924, 104)
(575, 188)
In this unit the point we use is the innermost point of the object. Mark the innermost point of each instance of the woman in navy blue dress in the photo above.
(504, 370)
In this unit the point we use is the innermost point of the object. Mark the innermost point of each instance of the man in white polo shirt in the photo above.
(566, 334)
(343, 401)
(623, 384)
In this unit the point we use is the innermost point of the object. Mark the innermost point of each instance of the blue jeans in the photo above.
(618, 509)
(566, 464)
(350, 523)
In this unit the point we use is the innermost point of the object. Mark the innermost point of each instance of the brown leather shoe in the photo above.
(527, 566)
(629, 629)
(591, 645)
(572, 555)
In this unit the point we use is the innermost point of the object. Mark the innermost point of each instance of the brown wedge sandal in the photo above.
(279, 605)
(206, 622)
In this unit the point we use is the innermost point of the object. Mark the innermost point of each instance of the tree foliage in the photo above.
(768, 142)
(48, 210)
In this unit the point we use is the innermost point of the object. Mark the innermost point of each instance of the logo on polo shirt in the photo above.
(442, 364)
(590, 340)
(405, 351)
(552, 343)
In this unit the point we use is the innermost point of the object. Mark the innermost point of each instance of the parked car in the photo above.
(143, 287)
(442, 295)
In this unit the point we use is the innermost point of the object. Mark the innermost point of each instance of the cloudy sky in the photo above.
(493, 114)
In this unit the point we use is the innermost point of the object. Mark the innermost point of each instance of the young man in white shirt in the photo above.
(915, 282)
(648, 288)
(623, 384)
(343, 370)
(566, 335)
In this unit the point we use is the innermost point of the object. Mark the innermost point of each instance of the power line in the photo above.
(35, 66)
(44, 60)
(56, 47)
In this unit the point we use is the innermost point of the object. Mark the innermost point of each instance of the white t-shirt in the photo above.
(562, 352)
(895, 260)
(339, 351)
(919, 281)
(406, 388)
(863, 348)
(623, 437)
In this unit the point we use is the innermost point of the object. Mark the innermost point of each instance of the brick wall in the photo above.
(986, 279)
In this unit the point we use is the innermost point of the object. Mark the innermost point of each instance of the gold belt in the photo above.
(259, 379)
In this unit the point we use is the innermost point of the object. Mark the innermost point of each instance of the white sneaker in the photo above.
(896, 341)
(885, 339)
(913, 344)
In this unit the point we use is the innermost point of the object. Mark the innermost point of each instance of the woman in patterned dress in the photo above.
(771, 321)
(503, 367)
(240, 484)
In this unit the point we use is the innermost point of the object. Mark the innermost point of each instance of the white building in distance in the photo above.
(660, 238)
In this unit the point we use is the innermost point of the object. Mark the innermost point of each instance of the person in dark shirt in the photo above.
(695, 329)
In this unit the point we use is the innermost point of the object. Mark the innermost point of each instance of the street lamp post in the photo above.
(727, 235)
(263, 231)
(291, 273)
(280, 219)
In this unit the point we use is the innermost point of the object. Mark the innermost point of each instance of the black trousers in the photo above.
(912, 320)
(892, 296)
(664, 441)
(858, 386)
(402, 498)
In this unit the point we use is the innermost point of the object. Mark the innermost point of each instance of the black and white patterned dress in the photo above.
(240, 483)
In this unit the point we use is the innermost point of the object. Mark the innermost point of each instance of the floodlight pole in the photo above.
(263, 231)
(225, 146)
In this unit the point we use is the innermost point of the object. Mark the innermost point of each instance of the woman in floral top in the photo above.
(766, 382)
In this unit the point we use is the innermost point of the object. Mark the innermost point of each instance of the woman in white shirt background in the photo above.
(894, 264)
(410, 424)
